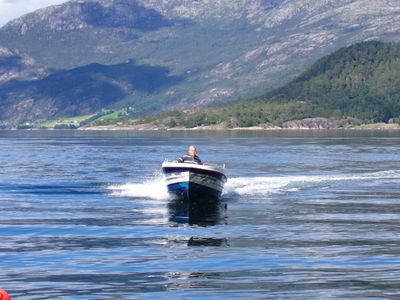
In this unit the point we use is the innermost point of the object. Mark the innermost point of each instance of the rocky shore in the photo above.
(305, 124)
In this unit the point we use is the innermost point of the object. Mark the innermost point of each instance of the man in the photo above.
(191, 157)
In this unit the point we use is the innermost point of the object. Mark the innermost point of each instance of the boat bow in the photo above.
(194, 181)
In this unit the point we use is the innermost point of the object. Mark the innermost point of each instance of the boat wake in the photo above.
(155, 189)
(251, 186)
(248, 186)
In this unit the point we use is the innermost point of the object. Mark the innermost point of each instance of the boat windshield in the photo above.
(214, 165)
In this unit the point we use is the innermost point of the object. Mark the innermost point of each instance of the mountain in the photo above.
(82, 90)
(353, 85)
(13, 65)
(361, 81)
(210, 51)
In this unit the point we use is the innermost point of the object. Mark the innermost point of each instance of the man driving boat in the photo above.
(191, 156)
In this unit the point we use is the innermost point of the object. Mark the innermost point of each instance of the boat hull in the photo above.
(189, 181)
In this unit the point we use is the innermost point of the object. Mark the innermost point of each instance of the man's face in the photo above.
(192, 151)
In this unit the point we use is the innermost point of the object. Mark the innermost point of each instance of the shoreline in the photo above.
(317, 123)
(308, 124)
(367, 127)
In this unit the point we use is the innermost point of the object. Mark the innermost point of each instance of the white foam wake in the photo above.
(156, 188)
(152, 189)
(273, 185)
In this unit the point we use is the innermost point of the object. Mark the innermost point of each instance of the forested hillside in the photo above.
(361, 81)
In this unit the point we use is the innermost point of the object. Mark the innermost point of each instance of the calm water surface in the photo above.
(304, 216)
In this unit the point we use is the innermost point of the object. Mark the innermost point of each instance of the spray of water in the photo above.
(153, 189)
(250, 186)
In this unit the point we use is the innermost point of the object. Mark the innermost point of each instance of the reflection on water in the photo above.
(202, 213)
(210, 242)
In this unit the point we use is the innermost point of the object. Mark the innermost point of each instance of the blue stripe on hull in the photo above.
(181, 189)
(193, 191)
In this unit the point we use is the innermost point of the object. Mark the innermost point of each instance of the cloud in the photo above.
(11, 9)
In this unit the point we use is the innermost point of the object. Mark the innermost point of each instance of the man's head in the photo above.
(192, 151)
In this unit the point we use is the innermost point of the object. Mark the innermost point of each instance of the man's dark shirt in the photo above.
(188, 159)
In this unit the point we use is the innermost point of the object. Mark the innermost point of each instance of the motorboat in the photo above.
(194, 181)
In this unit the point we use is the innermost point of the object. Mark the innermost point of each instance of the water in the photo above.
(304, 215)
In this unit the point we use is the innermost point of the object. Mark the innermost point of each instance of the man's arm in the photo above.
(182, 159)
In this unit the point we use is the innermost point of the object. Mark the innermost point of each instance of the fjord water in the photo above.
(307, 215)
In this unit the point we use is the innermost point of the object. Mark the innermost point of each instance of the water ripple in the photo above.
(303, 217)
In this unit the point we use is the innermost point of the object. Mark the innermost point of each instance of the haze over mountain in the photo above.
(204, 52)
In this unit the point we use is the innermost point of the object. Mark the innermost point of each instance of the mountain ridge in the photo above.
(223, 50)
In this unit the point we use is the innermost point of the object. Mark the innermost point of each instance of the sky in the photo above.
(11, 9)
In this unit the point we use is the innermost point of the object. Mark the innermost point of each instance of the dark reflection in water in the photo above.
(209, 242)
(202, 213)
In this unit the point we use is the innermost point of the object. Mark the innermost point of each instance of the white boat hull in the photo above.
(192, 181)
